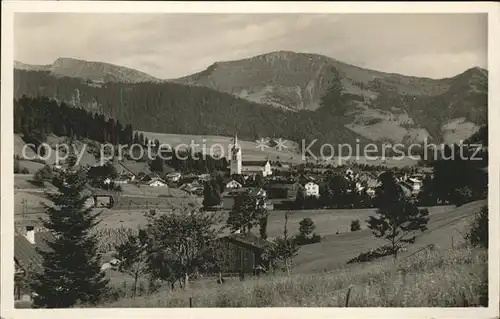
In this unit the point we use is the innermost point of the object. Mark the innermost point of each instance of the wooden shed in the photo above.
(242, 253)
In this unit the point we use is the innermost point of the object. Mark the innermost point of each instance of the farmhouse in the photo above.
(415, 183)
(242, 253)
(122, 179)
(156, 182)
(173, 176)
(312, 189)
(282, 190)
(233, 184)
(228, 198)
(136, 170)
(193, 187)
(26, 258)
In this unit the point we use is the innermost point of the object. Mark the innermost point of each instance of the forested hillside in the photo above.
(182, 109)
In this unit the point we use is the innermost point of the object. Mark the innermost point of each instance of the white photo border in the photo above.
(9, 8)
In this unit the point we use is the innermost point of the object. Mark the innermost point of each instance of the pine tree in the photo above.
(71, 272)
(397, 223)
(211, 194)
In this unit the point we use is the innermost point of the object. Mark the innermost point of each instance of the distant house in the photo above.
(242, 253)
(157, 183)
(256, 167)
(282, 190)
(228, 197)
(370, 192)
(122, 180)
(173, 176)
(312, 189)
(138, 169)
(204, 177)
(194, 187)
(257, 192)
(233, 184)
(416, 184)
(279, 166)
(27, 258)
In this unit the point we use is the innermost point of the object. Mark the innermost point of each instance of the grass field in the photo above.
(250, 150)
(440, 278)
(449, 275)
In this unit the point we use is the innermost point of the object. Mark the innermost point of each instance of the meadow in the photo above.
(455, 277)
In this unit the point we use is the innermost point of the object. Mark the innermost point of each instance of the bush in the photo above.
(304, 240)
(462, 196)
(306, 227)
(355, 225)
(315, 238)
(372, 254)
(477, 236)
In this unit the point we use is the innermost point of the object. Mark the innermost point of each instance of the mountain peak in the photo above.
(90, 70)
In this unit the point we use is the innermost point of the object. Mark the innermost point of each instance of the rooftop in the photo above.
(249, 239)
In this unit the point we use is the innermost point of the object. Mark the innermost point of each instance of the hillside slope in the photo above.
(386, 106)
(298, 80)
(165, 107)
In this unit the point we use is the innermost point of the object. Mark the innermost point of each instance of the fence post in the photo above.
(347, 297)
(190, 302)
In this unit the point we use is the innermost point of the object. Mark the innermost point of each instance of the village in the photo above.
(280, 186)
(276, 181)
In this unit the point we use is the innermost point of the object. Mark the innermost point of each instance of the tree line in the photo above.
(36, 117)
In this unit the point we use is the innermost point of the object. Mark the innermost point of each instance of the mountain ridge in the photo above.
(383, 106)
(90, 70)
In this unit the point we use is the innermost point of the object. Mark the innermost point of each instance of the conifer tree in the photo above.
(211, 194)
(71, 273)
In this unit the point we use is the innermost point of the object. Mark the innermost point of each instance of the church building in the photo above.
(239, 167)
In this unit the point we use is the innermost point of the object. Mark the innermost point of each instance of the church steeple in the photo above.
(236, 158)
(235, 144)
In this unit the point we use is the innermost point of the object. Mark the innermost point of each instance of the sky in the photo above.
(173, 45)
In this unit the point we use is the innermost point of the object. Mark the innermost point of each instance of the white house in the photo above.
(122, 180)
(233, 184)
(173, 176)
(416, 184)
(157, 183)
(312, 189)
(359, 186)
